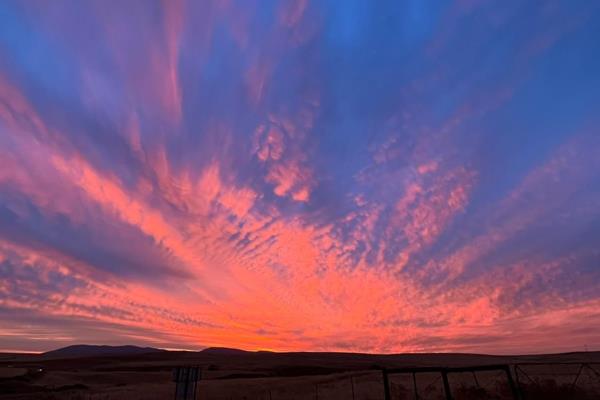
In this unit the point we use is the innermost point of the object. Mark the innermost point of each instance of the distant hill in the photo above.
(224, 351)
(85, 350)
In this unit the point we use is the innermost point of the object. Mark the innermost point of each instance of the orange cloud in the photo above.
(234, 219)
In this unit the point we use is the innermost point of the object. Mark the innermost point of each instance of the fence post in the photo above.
(446, 385)
(475, 378)
(415, 386)
(576, 378)
(511, 383)
(386, 385)
(519, 389)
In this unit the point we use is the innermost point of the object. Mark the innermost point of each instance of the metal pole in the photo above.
(187, 384)
(576, 378)
(475, 378)
(511, 383)
(386, 386)
(176, 379)
(446, 385)
(415, 386)
(519, 389)
(593, 370)
(352, 383)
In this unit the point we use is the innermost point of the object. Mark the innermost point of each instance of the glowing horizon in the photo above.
(300, 176)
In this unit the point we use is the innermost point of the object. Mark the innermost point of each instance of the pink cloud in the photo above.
(236, 220)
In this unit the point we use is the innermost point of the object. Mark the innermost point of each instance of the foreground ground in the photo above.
(229, 375)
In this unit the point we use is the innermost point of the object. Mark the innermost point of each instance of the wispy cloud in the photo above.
(299, 176)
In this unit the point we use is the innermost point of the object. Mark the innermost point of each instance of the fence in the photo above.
(524, 381)
(186, 380)
(558, 380)
(443, 390)
(532, 381)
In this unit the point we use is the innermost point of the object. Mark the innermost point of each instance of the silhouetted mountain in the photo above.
(85, 350)
(225, 351)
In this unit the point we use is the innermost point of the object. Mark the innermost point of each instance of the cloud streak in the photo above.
(299, 176)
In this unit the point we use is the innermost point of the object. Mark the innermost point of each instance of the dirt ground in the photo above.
(287, 376)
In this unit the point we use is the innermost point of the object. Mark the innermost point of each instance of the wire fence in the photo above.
(524, 381)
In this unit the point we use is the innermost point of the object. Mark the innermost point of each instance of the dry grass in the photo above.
(12, 372)
(275, 377)
(358, 386)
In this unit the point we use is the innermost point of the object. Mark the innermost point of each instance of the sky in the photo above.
(359, 176)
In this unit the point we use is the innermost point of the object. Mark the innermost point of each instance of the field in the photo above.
(294, 376)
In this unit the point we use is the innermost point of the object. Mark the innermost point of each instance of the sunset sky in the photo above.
(372, 176)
